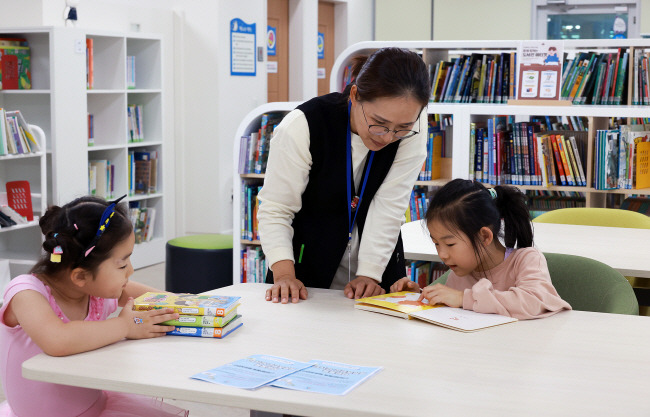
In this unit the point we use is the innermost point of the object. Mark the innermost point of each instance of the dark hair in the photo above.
(467, 206)
(390, 72)
(75, 225)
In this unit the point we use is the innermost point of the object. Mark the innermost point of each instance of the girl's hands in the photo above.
(404, 284)
(145, 324)
(442, 294)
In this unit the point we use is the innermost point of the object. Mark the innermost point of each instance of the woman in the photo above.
(340, 172)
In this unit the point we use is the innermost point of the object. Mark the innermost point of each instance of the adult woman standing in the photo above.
(340, 171)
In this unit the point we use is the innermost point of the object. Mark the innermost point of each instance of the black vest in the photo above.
(321, 225)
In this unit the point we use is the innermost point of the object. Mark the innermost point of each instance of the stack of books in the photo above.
(200, 315)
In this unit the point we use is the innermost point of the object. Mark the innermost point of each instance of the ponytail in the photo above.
(512, 207)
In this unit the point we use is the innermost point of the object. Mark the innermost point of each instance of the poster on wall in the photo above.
(321, 45)
(539, 72)
(271, 40)
(242, 48)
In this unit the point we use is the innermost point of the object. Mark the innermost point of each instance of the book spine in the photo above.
(558, 159)
(565, 163)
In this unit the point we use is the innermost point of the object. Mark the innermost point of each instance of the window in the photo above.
(585, 19)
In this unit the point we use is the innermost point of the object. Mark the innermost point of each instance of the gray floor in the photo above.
(155, 277)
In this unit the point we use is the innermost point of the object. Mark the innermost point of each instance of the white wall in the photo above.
(403, 20)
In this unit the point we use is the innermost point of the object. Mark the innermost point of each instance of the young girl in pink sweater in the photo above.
(464, 220)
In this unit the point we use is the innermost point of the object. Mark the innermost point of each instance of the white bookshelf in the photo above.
(250, 123)
(465, 113)
(59, 102)
(21, 244)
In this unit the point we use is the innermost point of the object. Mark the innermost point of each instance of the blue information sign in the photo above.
(242, 48)
(321, 45)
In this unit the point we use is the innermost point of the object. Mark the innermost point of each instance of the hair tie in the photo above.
(493, 193)
(55, 256)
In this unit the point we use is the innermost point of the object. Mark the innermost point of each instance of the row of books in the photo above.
(552, 200)
(254, 148)
(504, 152)
(134, 122)
(91, 129)
(425, 272)
(254, 265)
(16, 137)
(576, 123)
(143, 220)
(622, 158)
(90, 64)
(417, 204)
(249, 206)
(638, 204)
(475, 78)
(15, 64)
(595, 78)
(101, 178)
(641, 82)
(143, 172)
(435, 142)
(213, 316)
(130, 72)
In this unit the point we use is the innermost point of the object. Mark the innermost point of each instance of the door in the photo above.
(325, 45)
(278, 42)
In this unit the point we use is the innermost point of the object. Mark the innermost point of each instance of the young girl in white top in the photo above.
(62, 308)
(464, 220)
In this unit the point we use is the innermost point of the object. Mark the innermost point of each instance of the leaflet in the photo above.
(327, 377)
(252, 372)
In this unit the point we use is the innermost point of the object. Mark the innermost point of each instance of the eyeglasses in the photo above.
(380, 130)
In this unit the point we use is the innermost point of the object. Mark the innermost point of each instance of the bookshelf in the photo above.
(250, 123)
(464, 114)
(21, 244)
(107, 101)
(59, 102)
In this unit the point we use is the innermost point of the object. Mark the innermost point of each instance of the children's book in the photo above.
(406, 305)
(215, 332)
(192, 304)
(327, 377)
(252, 372)
(201, 321)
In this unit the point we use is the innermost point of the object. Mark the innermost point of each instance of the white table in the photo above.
(573, 363)
(626, 250)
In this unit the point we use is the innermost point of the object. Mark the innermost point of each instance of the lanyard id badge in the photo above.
(353, 203)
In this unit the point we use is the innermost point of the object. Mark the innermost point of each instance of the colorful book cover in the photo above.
(19, 198)
(15, 68)
(192, 304)
(214, 332)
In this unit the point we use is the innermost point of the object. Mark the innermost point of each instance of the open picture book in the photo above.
(406, 305)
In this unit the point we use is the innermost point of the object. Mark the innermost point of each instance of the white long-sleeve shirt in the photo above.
(287, 176)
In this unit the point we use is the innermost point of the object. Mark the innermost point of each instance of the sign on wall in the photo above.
(242, 48)
(271, 40)
(321, 45)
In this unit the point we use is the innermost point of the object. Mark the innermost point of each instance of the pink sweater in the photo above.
(519, 287)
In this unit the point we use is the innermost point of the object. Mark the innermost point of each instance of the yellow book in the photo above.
(643, 165)
(568, 172)
(404, 304)
(566, 160)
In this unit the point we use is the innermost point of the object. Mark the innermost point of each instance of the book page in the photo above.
(460, 319)
(327, 377)
(403, 301)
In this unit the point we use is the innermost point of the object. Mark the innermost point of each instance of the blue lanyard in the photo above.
(351, 219)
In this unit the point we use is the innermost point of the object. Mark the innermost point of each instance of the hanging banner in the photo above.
(271, 38)
(321, 45)
(242, 48)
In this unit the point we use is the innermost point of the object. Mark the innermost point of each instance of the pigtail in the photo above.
(513, 209)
